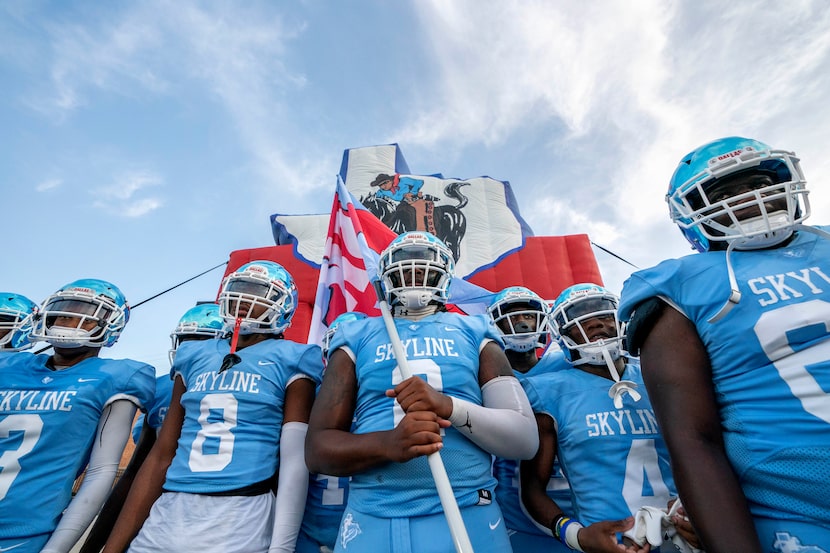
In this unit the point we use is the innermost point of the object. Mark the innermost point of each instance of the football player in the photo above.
(16, 316)
(464, 402)
(237, 417)
(734, 342)
(327, 494)
(60, 411)
(597, 420)
(201, 322)
(522, 318)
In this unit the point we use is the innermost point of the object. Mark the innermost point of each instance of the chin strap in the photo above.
(414, 314)
(735, 294)
(620, 387)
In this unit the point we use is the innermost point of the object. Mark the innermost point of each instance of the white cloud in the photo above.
(621, 91)
(122, 198)
(48, 184)
(126, 185)
(141, 207)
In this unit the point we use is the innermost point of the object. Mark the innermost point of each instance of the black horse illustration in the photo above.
(447, 222)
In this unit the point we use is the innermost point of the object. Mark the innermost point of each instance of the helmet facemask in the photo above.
(571, 318)
(416, 274)
(16, 327)
(514, 321)
(77, 322)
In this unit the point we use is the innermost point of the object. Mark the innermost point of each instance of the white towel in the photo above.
(655, 526)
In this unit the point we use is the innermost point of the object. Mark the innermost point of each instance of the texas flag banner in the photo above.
(353, 245)
(477, 218)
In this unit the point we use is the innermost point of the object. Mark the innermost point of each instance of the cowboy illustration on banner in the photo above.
(400, 203)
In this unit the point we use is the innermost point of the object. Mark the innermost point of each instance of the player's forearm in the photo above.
(97, 536)
(291, 490)
(718, 510)
(110, 437)
(341, 453)
(504, 425)
(539, 507)
(146, 489)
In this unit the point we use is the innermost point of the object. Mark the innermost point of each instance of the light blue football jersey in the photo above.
(443, 349)
(157, 409)
(506, 472)
(326, 500)
(770, 360)
(233, 419)
(615, 459)
(48, 421)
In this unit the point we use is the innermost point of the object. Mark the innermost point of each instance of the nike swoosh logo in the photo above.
(495, 525)
(4, 549)
(260, 363)
(79, 380)
(450, 329)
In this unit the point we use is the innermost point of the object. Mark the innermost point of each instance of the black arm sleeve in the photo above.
(641, 322)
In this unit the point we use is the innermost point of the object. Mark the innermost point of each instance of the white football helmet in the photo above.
(515, 303)
(416, 270)
(573, 307)
(258, 286)
(75, 306)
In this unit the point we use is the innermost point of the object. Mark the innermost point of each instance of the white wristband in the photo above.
(571, 535)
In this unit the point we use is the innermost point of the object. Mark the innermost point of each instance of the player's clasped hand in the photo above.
(684, 526)
(601, 537)
(417, 434)
(414, 394)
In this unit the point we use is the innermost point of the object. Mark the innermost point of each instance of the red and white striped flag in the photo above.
(353, 245)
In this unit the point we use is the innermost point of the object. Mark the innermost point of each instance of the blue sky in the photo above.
(143, 141)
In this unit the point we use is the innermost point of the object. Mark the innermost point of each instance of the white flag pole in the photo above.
(436, 465)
